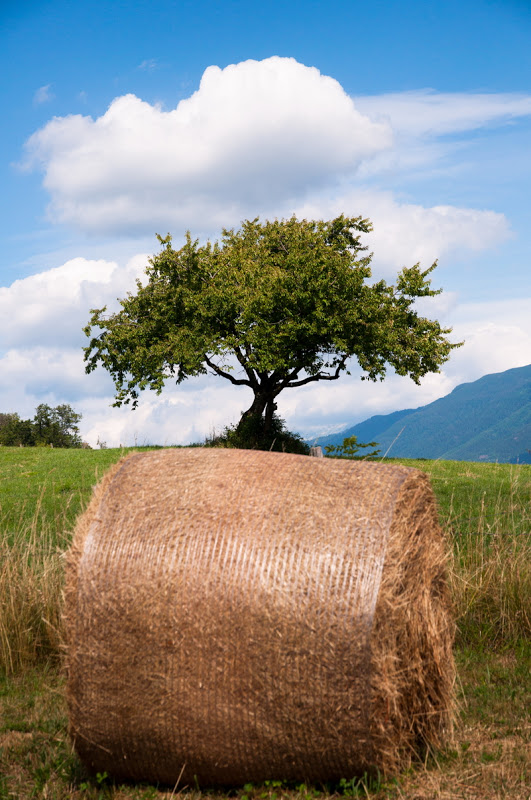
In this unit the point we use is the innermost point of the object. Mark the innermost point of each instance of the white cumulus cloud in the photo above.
(497, 337)
(253, 135)
(407, 233)
(52, 307)
(269, 138)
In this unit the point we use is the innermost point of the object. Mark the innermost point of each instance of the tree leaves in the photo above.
(272, 306)
(50, 426)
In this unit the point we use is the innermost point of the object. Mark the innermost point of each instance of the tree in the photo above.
(15, 431)
(44, 432)
(274, 306)
(66, 420)
(350, 448)
(57, 426)
(50, 426)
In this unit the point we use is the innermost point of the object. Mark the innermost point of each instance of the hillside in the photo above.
(486, 420)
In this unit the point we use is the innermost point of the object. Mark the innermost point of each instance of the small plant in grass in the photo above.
(101, 782)
(350, 448)
(361, 786)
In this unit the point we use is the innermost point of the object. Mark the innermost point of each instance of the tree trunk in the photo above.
(263, 408)
(270, 409)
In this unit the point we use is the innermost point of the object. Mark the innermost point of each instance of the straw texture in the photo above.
(237, 616)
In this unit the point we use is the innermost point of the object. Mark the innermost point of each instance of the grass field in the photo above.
(484, 507)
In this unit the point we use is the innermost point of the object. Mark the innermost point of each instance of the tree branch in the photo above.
(253, 383)
(227, 375)
(318, 377)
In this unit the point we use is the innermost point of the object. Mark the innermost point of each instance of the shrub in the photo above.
(251, 434)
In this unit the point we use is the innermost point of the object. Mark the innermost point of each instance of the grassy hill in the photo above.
(486, 420)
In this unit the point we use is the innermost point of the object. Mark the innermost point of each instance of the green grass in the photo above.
(48, 487)
(56, 484)
(484, 507)
(42, 490)
(478, 498)
(486, 510)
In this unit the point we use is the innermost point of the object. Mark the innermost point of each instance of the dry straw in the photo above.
(238, 616)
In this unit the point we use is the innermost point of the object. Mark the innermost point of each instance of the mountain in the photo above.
(486, 420)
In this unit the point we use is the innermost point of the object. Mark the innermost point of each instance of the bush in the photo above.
(250, 434)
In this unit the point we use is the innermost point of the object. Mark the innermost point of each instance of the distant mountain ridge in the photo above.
(486, 420)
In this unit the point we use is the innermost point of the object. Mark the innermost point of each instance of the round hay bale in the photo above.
(237, 616)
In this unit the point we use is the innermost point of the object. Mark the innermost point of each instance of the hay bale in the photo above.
(237, 616)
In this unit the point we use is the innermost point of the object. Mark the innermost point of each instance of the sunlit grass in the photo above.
(31, 578)
(44, 489)
(486, 509)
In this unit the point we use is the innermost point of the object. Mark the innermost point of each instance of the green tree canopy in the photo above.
(50, 426)
(15, 431)
(272, 306)
(57, 426)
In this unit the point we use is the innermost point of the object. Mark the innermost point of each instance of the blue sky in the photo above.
(126, 118)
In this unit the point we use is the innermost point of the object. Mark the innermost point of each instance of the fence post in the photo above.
(317, 452)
